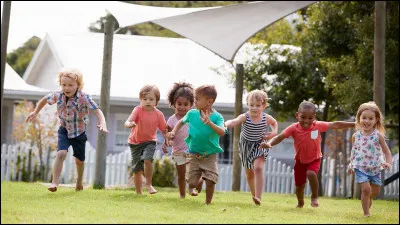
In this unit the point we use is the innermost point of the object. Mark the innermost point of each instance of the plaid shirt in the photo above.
(72, 112)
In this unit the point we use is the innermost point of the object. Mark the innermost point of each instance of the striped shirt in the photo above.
(251, 136)
(72, 112)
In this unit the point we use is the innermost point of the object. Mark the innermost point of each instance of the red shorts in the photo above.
(300, 170)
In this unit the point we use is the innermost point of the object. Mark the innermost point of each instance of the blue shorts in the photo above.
(362, 178)
(78, 143)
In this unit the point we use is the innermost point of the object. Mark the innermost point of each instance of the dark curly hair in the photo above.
(181, 89)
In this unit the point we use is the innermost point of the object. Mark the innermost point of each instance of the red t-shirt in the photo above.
(146, 125)
(307, 142)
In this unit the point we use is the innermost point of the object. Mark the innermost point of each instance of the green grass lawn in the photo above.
(33, 203)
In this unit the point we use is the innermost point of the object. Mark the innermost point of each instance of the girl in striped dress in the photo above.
(255, 125)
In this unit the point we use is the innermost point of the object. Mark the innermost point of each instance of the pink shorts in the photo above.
(300, 170)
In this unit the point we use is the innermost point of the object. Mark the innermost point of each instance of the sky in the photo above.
(34, 18)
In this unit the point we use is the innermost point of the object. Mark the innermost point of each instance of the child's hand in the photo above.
(31, 116)
(265, 145)
(205, 117)
(350, 170)
(164, 148)
(386, 165)
(131, 124)
(103, 127)
(170, 135)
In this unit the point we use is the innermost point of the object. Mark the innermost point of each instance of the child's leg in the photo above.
(300, 195)
(80, 165)
(210, 186)
(148, 173)
(366, 197)
(313, 180)
(375, 189)
(250, 177)
(137, 179)
(57, 168)
(181, 169)
(259, 176)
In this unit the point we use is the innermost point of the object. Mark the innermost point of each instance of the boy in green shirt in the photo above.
(206, 125)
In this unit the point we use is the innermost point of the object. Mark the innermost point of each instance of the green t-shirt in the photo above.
(201, 138)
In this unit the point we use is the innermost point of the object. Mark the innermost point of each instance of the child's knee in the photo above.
(62, 154)
(209, 183)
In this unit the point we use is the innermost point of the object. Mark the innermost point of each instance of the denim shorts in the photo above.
(362, 178)
(140, 152)
(78, 143)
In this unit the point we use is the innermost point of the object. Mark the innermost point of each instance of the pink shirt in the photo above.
(179, 140)
(307, 142)
(146, 125)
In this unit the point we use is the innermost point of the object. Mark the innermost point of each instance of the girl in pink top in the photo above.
(307, 143)
(369, 146)
(181, 98)
(144, 120)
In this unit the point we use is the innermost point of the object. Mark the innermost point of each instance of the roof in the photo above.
(136, 61)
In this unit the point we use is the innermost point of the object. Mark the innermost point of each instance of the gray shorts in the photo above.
(140, 152)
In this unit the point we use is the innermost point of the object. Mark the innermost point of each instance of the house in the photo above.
(136, 61)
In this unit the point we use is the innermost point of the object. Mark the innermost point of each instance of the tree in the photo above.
(20, 58)
(41, 132)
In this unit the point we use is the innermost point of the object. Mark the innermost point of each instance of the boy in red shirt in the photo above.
(307, 143)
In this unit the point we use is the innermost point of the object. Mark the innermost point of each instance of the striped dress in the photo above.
(251, 137)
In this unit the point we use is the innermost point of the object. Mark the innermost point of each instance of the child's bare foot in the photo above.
(256, 200)
(200, 186)
(367, 215)
(182, 196)
(52, 188)
(300, 204)
(193, 192)
(314, 202)
(151, 189)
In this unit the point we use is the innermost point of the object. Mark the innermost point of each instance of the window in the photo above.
(121, 133)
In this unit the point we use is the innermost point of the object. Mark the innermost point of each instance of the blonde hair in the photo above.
(257, 95)
(72, 73)
(150, 89)
(378, 114)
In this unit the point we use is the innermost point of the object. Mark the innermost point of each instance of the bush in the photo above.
(164, 172)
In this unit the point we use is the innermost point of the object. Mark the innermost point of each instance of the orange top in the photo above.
(307, 142)
(146, 125)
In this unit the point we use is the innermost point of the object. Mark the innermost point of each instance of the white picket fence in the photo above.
(278, 177)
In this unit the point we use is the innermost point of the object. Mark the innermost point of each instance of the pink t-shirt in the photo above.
(146, 125)
(179, 140)
(307, 142)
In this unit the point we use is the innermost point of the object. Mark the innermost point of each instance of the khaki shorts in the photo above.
(201, 166)
(179, 158)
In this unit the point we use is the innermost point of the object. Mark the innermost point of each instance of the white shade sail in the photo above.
(223, 30)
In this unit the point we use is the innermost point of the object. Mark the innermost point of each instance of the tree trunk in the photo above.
(236, 130)
(5, 22)
(379, 63)
(101, 154)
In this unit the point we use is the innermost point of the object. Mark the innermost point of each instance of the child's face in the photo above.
(148, 101)
(182, 106)
(367, 120)
(68, 86)
(305, 117)
(256, 107)
(201, 102)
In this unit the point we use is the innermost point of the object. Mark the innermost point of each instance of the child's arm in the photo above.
(165, 144)
(233, 122)
(350, 166)
(274, 141)
(205, 117)
(274, 125)
(102, 121)
(386, 151)
(39, 106)
(341, 125)
(178, 125)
